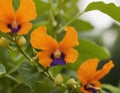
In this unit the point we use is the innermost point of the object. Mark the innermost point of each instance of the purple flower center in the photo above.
(14, 29)
(90, 87)
(57, 59)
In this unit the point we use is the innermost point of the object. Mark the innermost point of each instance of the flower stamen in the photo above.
(14, 26)
(57, 54)
(90, 87)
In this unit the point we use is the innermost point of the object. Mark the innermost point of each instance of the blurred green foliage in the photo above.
(55, 14)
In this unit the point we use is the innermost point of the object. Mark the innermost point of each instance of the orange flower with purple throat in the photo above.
(16, 22)
(89, 77)
(55, 53)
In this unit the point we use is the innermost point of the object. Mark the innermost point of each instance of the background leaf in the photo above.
(2, 70)
(81, 25)
(41, 8)
(110, 88)
(29, 74)
(88, 50)
(109, 9)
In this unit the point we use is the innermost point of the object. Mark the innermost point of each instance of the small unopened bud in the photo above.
(3, 42)
(58, 79)
(21, 41)
(71, 82)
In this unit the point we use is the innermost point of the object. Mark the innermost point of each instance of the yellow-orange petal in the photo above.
(105, 70)
(40, 40)
(87, 70)
(26, 11)
(44, 58)
(4, 28)
(25, 27)
(7, 13)
(71, 55)
(70, 39)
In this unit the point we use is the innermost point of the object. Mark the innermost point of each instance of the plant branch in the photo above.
(21, 50)
(70, 21)
(12, 78)
(13, 70)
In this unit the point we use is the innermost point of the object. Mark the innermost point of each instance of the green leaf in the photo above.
(2, 70)
(29, 74)
(88, 50)
(45, 86)
(109, 9)
(68, 10)
(41, 6)
(111, 88)
(81, 25)
(16, 4)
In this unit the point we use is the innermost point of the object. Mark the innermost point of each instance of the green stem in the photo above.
(10, 48)
(13, 70)
(12, 78)
(49, 75)
(52, 19)
(63, 85)
(70, 21)
(22, 51)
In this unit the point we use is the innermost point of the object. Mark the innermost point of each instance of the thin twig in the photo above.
(12, 78)
(70, 21)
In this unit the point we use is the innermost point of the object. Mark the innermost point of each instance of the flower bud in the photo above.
(58, 80)
(21, 41)
(3, 42)
(71, 82)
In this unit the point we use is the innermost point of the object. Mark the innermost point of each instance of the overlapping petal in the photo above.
(24, 28)
(70, 39)
(70, 55)
(105, 70)
(3, 27)
(26, 11)
(83, 90)
(44, 58)
(40, 40)
(87, 70)
(7, 13)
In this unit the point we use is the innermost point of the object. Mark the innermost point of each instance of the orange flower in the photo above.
(55, 53)
(16, 22)
(89, 77)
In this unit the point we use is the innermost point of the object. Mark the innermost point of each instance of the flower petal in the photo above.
(87, 70)
(25, 27)
(40, 40)
(70, 55)
(4, 28)
(105, 70)
(26, 11)
(7, 13)
(83, 90)
(71, 37)
(44, 58)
